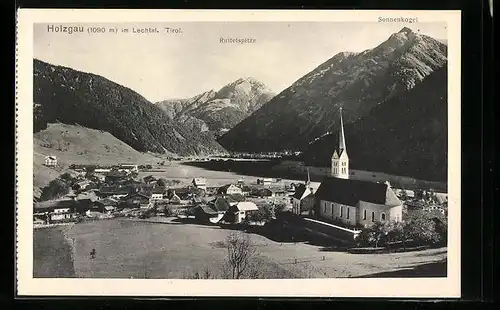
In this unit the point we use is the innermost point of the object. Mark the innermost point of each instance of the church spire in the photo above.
(340, 160)
(308, 182)
(341, 134)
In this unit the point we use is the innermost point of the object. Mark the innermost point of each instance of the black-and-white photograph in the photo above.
(238, 153)
(233, 150)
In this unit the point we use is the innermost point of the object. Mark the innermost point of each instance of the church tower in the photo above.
(340, 160)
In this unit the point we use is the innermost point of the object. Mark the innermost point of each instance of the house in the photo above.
(213, 211)
(238, 212)
(245, 190)
(234, 199)
(115, 176)
(302, 199)
(265, 181)
(114, 191)
(81, 185)
(158, 194)
(51, 161)
(128, 168)
(356, 202)
(150, 179)
(200, 183)
(56, 210)
(107, 204)
(173, 197)
(92, 195)
(137, 200)
(229, 189)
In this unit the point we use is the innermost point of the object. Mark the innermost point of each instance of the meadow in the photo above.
(127, 248)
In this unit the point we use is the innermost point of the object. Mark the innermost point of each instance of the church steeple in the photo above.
(340, 160)
(341, 134)
(308, 182)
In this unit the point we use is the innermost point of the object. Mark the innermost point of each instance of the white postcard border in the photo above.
(369, 287)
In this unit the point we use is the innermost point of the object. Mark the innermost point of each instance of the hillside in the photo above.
(406, 135)
(219, 111)
(74, 144)
(356, 81)
(72, 97)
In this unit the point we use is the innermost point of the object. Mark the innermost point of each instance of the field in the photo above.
(140, 249)
(50, 244)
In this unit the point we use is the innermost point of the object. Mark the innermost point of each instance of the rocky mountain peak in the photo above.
(405, 30)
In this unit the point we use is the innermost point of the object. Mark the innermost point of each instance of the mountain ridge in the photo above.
(413, 144)
(62, 94)
(356, 81)
(217, 111)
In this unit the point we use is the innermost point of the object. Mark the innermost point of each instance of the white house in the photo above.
(61, 214)
(128, 168)
(200, 183)
(50, 161)
(230, 189)
(158, 194)
(238, 212)
(265, 181)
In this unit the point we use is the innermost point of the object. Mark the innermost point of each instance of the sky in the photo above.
(165, 65)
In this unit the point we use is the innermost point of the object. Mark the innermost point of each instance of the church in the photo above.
(354, 202)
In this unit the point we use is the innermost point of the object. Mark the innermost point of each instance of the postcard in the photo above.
(293, 153)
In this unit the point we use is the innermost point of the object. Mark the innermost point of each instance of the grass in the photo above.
(52, 254)
(134, 249)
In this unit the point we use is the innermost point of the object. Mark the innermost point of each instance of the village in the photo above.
(339, 209)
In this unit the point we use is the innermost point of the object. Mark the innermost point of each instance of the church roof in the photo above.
(350, 192)
(300, 192)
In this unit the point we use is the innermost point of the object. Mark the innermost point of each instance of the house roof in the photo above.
(114, 173)
(350, 192)
(235, 198)
(54, 204)
(158, 190)
(300, 192)
(246, 206)
(114, 190)
(108, 202)
(207, 209)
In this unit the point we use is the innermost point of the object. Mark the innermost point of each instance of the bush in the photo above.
(55, 189)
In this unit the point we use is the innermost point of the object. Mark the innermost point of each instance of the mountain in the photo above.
(406, 135)
(356, 81)
(219, 111)
(73, 97)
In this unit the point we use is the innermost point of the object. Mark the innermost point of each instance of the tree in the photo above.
(161, 182)
(240, 253)
(421, 227)
(264, 214)
(55, 189)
